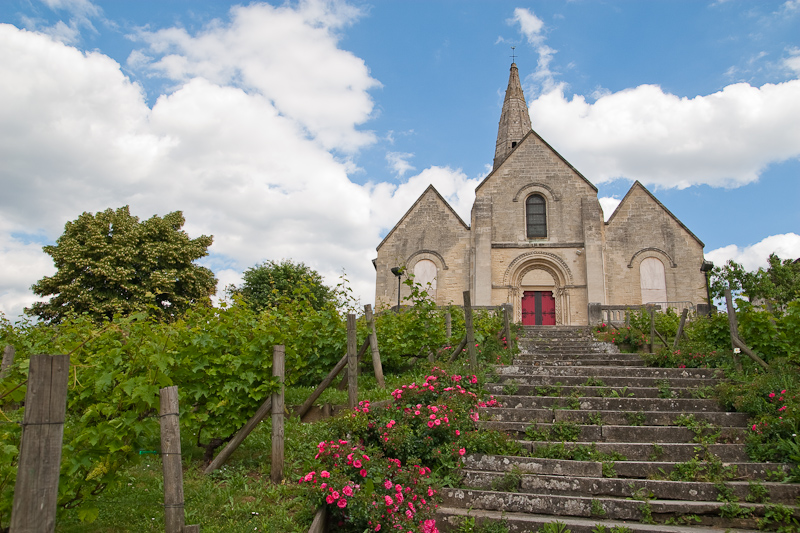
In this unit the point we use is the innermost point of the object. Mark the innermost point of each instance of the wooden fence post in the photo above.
(652, 327)
(36, 489)
(473, 358)
(352, 362)
(506, 327)
(278, 365)
(8, 360)
(733, 327)
(373, 344)
(684, 313)
(448, 325)
(171, 460)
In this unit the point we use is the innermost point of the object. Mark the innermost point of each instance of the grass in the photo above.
(237, 498)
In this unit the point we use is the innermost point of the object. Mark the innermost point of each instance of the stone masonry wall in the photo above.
(430, 230)
(642, 228)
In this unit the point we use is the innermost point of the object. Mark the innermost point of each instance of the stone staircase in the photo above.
(612, 445)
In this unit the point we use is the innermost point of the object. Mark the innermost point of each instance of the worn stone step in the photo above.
(523, 357)
(616, 404)
(736, 470)
(449, 519)
(604, 391)
(619, 433)
(616, 382)
(637, 451)
(511, 481)
(531, 465)
(612, 508)
(743, 470)
(579, 362)
(601, 371)
(612, 417)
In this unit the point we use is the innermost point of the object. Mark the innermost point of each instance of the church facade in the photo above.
(537, 239)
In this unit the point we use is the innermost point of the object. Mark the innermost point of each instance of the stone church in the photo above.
(537, 239)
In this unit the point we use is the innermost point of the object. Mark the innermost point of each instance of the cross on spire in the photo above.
(513, 55)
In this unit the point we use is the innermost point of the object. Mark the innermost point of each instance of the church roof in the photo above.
(638, 184)
(432, 190)
(532, 133)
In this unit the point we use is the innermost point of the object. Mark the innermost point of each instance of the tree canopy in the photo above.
(267, 284)
(779, 283)
(109, 263)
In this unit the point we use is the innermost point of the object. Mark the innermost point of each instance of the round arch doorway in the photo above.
(538, 298)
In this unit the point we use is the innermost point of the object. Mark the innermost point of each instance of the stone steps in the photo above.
(626, 488)
(639, 451)
(588, 416)
(599, 391)
(661, 450)
(597, 403)
(451, 517)
(710, 513)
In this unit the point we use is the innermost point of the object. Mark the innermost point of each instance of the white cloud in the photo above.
(532, 28)
(793, 61)
(786, 246)
(247, 162)
(398, 162)
(288, 55)
(723, 139)
(390, 202)
(609, 205)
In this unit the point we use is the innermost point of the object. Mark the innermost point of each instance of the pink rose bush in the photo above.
(390, 497)
(380, 478)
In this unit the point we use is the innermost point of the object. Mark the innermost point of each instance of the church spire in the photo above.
(515, 122)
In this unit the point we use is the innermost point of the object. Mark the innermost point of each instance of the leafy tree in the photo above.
(109, 263)
(779, 283)
(271, 282)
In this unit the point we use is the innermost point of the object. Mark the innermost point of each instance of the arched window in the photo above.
(536, 216)
(653, 281)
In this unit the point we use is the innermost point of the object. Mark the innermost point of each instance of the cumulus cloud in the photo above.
(390, 202)
(753, 257)
(723, 139)
(289, 55)
(609, 205)
(243, 153)
(398, 162)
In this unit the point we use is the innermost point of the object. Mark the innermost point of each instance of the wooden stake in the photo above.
(171, 460)
(8, 360)
(680, 328)
(352, 362)
(473, 357)
(652, 327)
(36, 489)
(303, 409)
(733, 327)
(373, 344)
(278, 358)
(507, 326)
(448, 325)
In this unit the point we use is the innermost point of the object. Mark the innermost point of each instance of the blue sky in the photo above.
(305, 130)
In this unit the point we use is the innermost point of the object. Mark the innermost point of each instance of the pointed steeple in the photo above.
(515, 122)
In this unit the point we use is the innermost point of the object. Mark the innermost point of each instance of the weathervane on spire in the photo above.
(513, 55)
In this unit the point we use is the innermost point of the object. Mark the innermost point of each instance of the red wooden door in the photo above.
(538, 308)
(528, 309)
(548, 309)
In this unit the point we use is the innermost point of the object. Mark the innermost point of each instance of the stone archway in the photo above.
(539, 271)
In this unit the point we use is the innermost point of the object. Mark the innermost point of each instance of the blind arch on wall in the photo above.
(425, 272)
(653, 280)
